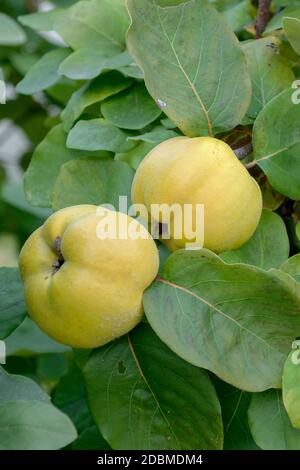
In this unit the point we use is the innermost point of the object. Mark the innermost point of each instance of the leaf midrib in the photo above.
(140, 370)
(191, 85)
(213, 307)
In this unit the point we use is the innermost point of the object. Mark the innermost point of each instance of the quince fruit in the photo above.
(200, 170)
(82, 287)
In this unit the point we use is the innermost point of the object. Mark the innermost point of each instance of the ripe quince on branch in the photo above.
(82, 290)
(201, 170)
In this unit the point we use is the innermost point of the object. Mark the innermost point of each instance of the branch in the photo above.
(251, 164)
(262, 17)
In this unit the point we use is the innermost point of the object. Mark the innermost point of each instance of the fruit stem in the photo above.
(262, 17)
(251, 164)
(60, 259)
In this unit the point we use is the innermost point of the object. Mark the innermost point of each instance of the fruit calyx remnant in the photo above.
(60, 259)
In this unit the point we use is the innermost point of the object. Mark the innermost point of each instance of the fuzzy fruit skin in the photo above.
(201, 170)
(96, 295)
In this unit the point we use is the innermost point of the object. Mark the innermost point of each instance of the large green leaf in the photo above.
(90, 93)
(290, 387)
(292, 30)
(269, 246)
(28, 421)
(143, 396)
(98, 134)
(270, 424)
(44, 73)
(88, 63)
(95, 24)
(92, 181)
(45, 165)
(270, 71)
(12, 305)
(236, 320)
(18, 387)
(132, 109)
(193, 65)
(276, 142)
(235, 404)
(11, 34)
(34, 425)
(292, 266)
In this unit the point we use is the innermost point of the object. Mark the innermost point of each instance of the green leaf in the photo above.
(277, 21)
(98, 134)
(270, 424)
(270, 72)
(13, 194)
(193, 65)
(12, 305)
(11, 34)
(29, 340)
(291, 28)
(45, 165)
(95, 24)
(236, 320)
(290, 387)
(276, 142)
(70, 397)
(235, 404)
(88, 63)
(133, 387)
(44, 73)
(18, 387)
(269, 246)
(131, 109)
(34, 425)
(90, 439)
(91, 181)
(42, 20)
(91, 93)
(136, 155)
(292, 267)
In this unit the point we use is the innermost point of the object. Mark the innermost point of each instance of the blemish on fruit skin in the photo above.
(160, 103)
(274, 47)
